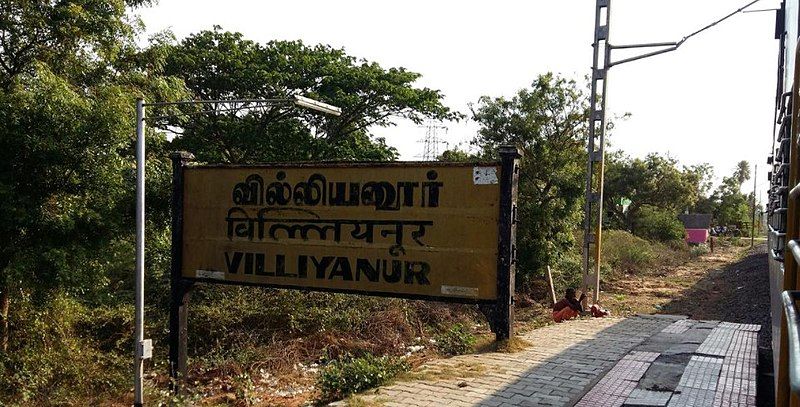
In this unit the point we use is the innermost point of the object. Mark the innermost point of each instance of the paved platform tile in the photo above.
(689, 397)
(639, 397)
(599, 363)
(701, 373)
(678, 327)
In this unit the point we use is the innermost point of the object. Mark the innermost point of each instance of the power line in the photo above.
(739, 10)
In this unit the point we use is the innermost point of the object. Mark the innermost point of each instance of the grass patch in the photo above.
(457, 340)
(698, 250)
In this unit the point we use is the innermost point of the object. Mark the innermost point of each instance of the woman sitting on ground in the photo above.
(568, 307)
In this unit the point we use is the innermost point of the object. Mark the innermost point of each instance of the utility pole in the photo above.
(593, 210)
(753, 216)
(595, 146)
(141, 346)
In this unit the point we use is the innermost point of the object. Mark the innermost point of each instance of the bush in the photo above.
(699, 250)
(51, 361)
(455, 341)
(626, 252)
(659, 225)
(343, 377)
(568, 271)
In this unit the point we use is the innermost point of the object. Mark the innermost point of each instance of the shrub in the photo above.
(659, 225)
(455, 341)
(698, 250)
(51, 362)
(626, 252)
(343, 377)
(568, 271)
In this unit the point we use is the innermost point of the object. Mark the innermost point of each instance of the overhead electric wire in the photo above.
(739, 10)
(670, 46)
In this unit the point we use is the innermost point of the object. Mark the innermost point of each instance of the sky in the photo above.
(711, 101)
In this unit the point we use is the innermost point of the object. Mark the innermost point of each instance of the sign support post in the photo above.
(180, 289)
(506, 246)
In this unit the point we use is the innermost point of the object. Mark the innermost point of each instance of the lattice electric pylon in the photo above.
(431, 141)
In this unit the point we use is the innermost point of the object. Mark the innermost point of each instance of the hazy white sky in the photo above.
(709, 101)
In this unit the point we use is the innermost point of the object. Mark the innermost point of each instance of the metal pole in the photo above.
(601, 64)
(506, 245)
(593, 211)
(139, 329)
(602, 152)
(753, 216)
(180, 289)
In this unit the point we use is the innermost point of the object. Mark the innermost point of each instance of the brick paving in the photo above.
(638, 361)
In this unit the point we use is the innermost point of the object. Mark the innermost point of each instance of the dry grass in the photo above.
(512, 345)
(457, 370)
(357, 401)
(487, 344)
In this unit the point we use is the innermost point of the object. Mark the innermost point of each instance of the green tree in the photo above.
(218, 65)
(76, 39)
(742, 172)
(548, 121)
(705, 174)
(655, 182)
(732, 207)
(457, 154)
(69, 76)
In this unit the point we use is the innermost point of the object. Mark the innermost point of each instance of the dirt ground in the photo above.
(738, 292)
(731, 284)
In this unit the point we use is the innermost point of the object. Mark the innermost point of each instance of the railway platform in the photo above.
(647, 360)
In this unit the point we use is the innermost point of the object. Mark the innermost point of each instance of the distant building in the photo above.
(696, 225)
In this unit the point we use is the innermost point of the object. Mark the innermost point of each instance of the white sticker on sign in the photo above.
(215, 275)
(460, 291)
(484, 175)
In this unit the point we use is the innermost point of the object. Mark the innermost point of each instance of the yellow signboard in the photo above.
(426, 230)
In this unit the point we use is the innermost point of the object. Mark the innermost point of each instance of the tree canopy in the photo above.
(655, 182)
(79, 40)
(730, 206)
(70, 73)
(548, 121)
(217, 64)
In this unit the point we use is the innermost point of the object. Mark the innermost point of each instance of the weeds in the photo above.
(343, 377)
(625, 252)
(457, 340)
(460, 370)
(699, 250)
